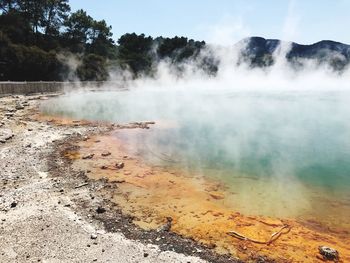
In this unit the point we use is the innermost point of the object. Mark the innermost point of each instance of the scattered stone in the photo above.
(104, 167)
(88, 156)
(106, 153)
(119, 165)
(145, 255)
(11, 110)
(9, 114)
(93, 236)
(19, 106)
(328, 253)
(5, 135)
(13, 204)
(100, 210)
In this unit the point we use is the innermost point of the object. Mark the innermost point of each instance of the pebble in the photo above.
(119, 165)
(328, 253)
(93, 236)
(100, 210)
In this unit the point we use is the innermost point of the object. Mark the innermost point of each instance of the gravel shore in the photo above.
(41, 218)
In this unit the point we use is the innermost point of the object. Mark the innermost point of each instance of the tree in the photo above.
(134, 53)
(8, 5)
(78, 30)
(93, 67)
(101, 39)
(84, 34)
(15, 27)
(45, 16)
(55, 12)
(32, 11)
(169, 45)
(179, 48)
(29, 63)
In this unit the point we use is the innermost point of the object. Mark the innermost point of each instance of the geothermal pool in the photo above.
(279, 153)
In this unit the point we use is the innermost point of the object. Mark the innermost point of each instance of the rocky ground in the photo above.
(51, 213)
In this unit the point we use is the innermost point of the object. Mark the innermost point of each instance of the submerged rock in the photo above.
(88, 156)
(328, 253)
(217, 196)
(106, 153)
(119, 165)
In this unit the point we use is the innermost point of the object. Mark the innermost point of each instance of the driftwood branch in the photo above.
(284, 230)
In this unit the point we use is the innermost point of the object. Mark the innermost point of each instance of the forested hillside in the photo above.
(44, 40)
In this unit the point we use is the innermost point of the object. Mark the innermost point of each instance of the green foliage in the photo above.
(55, 13)
(78, 30)
(93, 67)
(134, 53)
(22, 63)
(179, 49)
(14, 25)
(35, 33)
(101, 40)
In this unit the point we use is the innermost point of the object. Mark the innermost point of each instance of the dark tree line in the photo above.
(37, 38)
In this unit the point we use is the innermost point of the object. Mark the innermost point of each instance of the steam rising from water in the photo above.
(285, 132)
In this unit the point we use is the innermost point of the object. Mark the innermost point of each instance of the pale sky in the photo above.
(225, 21)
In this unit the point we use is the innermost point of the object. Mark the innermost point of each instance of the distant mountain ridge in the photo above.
(260, 52)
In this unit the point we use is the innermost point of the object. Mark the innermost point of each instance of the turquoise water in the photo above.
(282, 145)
